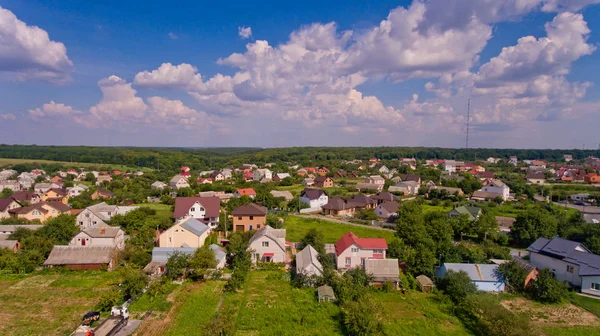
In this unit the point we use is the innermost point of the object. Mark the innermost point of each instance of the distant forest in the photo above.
(204, 158)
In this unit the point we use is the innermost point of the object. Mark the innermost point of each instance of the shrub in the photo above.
(457, 285)
(360, 318)
(109, 299)
(485, 316)
(547, 289)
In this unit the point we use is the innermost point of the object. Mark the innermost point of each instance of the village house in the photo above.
(227, 173)
(160, 256)
(485, 276)
(26, 182)
(82, 257)
(12, 245)
(592, 178)
(205, 209)
(100, 235)
(307, 262)
(188, 232)
(100, 179)
(98, 213)
(7, 204)
(283, 194)
(41, 188)
(387, 210)
(204, 180)
(364, 201)
(471, 212)
(10, 184)
(485, 175)
(308, 182)
(25, 197)
(406, 188)
(323, 182)
(178, 182)
(249, 217)
(411, 178)
(325, 294)
(385, 196)
(102, 194)
(382, 271)
(41, 211)
(261, 174)
(280, 176)
(492, 189)
(217, 176)
(383, 170)
(536, 177)
(268, 245)
(569, 261)
(505, 223)
(6, 174)
(314, 198)
(245, 192)
(77, 190)
(352, 251)
(339, 207)
(158, 185)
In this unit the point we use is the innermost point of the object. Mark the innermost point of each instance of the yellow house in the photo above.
(188, 232)
(41, 211)
(55, 195)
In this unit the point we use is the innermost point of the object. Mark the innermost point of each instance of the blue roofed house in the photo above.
(569, 261)
(484, 276)
(188, 232)
(160, 255)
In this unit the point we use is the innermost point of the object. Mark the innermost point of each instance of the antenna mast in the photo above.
(468, 118)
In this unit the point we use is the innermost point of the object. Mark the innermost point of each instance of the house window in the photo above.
(201, 209)
(240, 218)
(265, 244)
(595, 286)
(258, 226)
(354, 249)
(570, 269)
(378, 251)
(348, 261)
(251, 217)
(193, 209)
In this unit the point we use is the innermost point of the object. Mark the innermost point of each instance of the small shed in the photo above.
(325, 294)
(425, 284)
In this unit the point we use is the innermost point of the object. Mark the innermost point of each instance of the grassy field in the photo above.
(427, 208)
(297, 227)
(161, 209)
(49, 303)
(589, 304)
(416, 313)
(8, 162)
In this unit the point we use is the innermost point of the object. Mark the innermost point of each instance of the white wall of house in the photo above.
(266, 245)
(316, 203)
(311, 270)
(352, 257)
(382, 212)
(503, 190)
(12, 205)
(591, 285)
(558, 267)
(118, 241)
(86, 219)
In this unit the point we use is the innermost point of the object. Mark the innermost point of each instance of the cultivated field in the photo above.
(48, 303)
(297, 227)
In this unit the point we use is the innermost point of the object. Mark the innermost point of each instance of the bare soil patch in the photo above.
(552, 315)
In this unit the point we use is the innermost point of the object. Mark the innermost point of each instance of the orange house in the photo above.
(592, 178)
(249, 217)
(55, 195)
(41, 211)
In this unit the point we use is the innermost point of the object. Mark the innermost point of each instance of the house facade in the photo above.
(7, 204)
(249, 217)
(387, 209)
(100, 235)
(351, 251)
(204, 209)
(186, 233)
(41, 211)
(497, 187)
(307, 262)
(314, 198)
(261, 174)
(178, 182)
(323, 182)
(268, 245)
(98, 213)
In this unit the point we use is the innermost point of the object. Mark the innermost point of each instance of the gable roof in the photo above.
(589, 263)
(312, 194)
(390, 206)
(80, 255)
(102, 230)
(308, 256)
(105, 192)
(218, 251)
(183, 205)
(162, 254)
(321, 178)
(471, 211)
(57, 191)
(250, 209)
(5, 202)
(411, 177)
(274, 234)
(336, 203)
(194, 226)
(8, 243)
(556, 247)
(383, 269)
(61, 207)
(325, 291)
(385, 196)
(363, 200)
(24, 195)
(246, 191)
(350, 239)
(476, 272)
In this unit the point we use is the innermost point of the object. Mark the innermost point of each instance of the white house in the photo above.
(307, 262)
(314, 198)
(351, 251)
(387, 209)
(375, 179)
(227, 173)
(186, 233)
(384, 170)
(77, 190)
(268, 245)
(204, 209)
(261, 174)
(569, 261)
(406, 187)
(178, 182)
(158, 185)
(497, 187)
(100, 235)
(98, 213)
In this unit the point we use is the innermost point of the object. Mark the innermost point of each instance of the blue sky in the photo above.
(339, 73)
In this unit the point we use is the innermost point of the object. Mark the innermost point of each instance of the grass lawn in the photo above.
(8, 162)
(416, 313)
(295, 189)
(161, 209)
(297, 227)
(572, 331)
(589, 304)
(269, 305)
(48, 303)
(427, 208)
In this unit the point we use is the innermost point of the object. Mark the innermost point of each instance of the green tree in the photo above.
(60, 229)
(514, 276)
(366, 214)
(133, 282)
(177, 265)
(547, 289)
(533, 224)
(361, 317)
(202, 261)
(5, 193)
(316, 239)
(457, 285)
(486, 226)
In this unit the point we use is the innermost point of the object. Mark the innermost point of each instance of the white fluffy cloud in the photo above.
(167, 111)
(168, 76)
(27, 53)
(245, 32)
(53, 110)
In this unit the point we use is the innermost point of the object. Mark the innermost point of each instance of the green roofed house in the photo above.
(471, 211)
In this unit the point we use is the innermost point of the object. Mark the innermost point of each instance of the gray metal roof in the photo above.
(80, 255)
(194, 226)
(268, 231)
(219, 253)
(557, 247)
(8, 243)
(162, 254)
(476, 272)
(14, 227)
(589, 263)
(308, 256)
(383, 269)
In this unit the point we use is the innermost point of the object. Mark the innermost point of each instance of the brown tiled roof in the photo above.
(24, 210)
(106, 192)
(24, 196)
(385, 196)
(363, 200)
(312, 193)
(250, 209)
(57, 205)
(390, 206)
(60, 192)
(5, 202)
(411, 177)
(321, 178)
(337, 203)
(211, 204)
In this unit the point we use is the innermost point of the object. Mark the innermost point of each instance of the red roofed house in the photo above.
(245, 192)
(592, 178)
(351, 251)
(204, 209)
(248, 176)
(185, 169)
(207, 180)
(116, 172)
